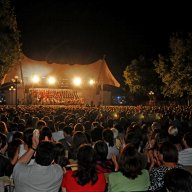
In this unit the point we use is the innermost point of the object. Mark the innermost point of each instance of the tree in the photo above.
(175, 70)
(141, 77)
(9, 38)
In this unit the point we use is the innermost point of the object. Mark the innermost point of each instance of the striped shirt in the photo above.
(185, 156)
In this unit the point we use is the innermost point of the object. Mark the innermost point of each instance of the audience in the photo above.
(143, 128)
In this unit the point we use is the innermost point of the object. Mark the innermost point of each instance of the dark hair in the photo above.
(101, 150)
(78, 139)
(187, 137)
(86, 165)
(45, 153)
(68, 130)
(13, 147)
(96, 134)
(27, 136)
(178, 180)
(17, 135)
(60, 158)
(45, 132)
(108, 136)
(169, 152)
(130, 162)
(3, 140)
(40, 124)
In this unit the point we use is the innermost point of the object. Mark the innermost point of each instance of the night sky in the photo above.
(69, 31)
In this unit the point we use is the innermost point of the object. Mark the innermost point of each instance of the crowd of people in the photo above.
(97, 149)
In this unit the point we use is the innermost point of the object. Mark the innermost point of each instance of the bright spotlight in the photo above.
(35, 79)
(77, 81)
(51, 80)
(91, 82)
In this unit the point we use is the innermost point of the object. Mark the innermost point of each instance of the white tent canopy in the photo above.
(97, 70)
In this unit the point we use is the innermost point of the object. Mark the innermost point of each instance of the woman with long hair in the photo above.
(85, 178)
(131, 176)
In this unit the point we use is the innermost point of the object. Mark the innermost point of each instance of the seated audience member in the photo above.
(43, 174)
(108, 137)
(13, 154)
(60, 156)
(131, 175)
(4, 161)
(79, 138)
(45, 134)
(168, 157)
(86, 177)
(185, 155)
(103, 164)
(178, 180)
(27, 141)
(67, 140)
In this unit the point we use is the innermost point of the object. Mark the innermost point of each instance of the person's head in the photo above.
(60, 158)
(86, 156)
(101, 150)
(3, 143)
(45, 134)
(78, 139)
(45, 153)
(79, 127)
(115, 132)
(86, 165)
(187, 140)
(17, 135)
(130, 162)
(41, 124)
(178, 180)
(168, 152)
(27, 136)
(108, 136)
(67, 131)
(13, 148)
(3, 127)
(96, 134)
(133, 138)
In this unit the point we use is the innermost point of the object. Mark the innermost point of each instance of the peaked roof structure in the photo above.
(98, 70)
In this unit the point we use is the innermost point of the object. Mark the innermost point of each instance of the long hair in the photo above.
(130, 162)
(108, 136)
(60, 158)
(86, 165)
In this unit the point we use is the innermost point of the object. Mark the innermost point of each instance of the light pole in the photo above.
(16, 81)
(11, 89)
(151, 97)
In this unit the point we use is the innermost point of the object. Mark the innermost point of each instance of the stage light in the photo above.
(51, 80)
(91, 82)
(77, 81)
(35, 79)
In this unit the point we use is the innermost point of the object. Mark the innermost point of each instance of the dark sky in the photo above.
(82, 31)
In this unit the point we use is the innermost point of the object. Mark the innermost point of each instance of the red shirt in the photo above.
(71, 185)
